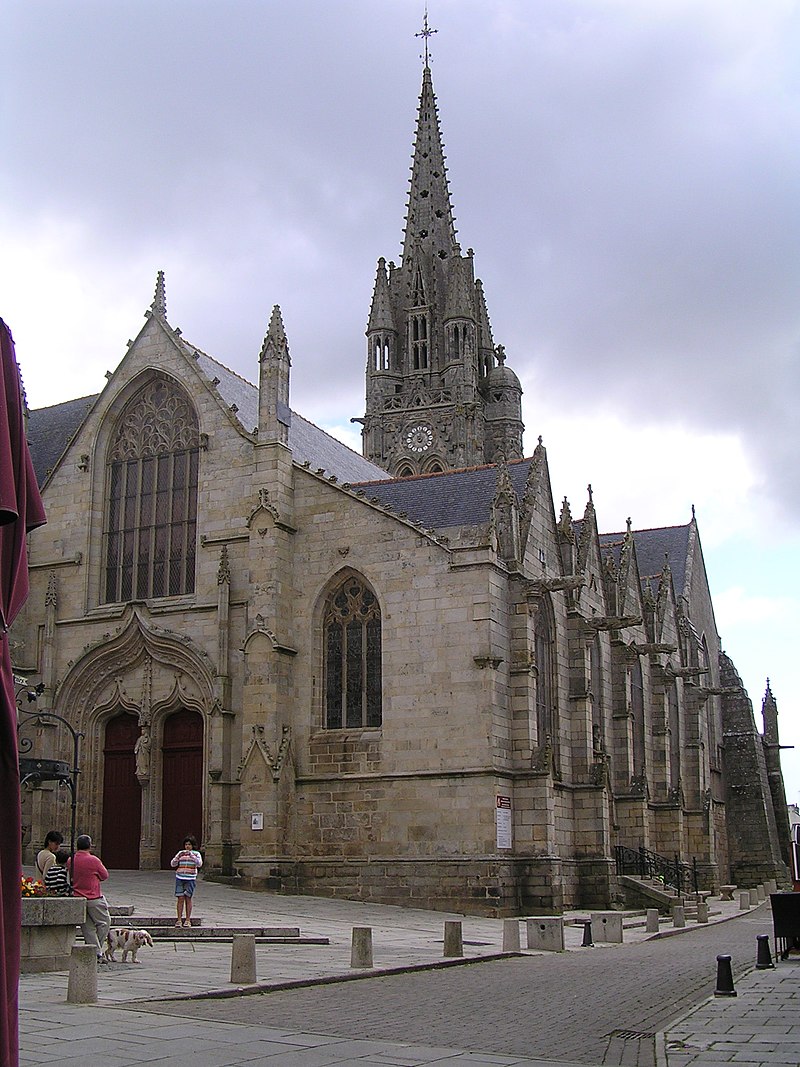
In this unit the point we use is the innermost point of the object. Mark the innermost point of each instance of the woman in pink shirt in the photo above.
(87, 873)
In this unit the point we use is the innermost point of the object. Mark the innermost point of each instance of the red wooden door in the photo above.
(122, 795)
(182, 782)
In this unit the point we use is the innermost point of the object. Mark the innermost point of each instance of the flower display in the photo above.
(29, 887)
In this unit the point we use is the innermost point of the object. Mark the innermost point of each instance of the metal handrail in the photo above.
(644, 863)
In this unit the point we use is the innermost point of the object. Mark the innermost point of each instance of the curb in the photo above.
(301, 983)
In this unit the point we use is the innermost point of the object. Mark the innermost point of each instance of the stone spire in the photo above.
(429, 215)
(380, 312)
(433, 398)
(274, 415)
(159, 305)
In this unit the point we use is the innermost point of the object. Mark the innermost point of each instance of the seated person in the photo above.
(56, 879)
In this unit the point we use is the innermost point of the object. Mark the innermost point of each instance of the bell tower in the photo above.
(439, 394)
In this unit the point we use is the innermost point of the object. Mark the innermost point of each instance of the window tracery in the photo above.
(151, 510)
(352, 636)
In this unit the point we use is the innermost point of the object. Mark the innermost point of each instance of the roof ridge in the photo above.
(648, 529)
(454, 470)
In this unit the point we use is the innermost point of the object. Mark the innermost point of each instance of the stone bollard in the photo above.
(753, 898)
(651, 925)
(243, 959)
(510, 935)
(607, 927)
(546, 933)
(744, 900)
(82, 986)
(361, 948)
(702, 911)
(453, 943)
(724, 978)
(770, 886)
(761, 893)
(763, 955)
(678, 916)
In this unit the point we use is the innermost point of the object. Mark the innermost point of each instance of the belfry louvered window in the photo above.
(151, 510)
(352, 635)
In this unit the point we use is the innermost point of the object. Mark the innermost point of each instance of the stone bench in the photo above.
(48, 932)
(726, 892)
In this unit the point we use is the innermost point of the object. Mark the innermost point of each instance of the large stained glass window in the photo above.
(352, 634)
(151, 512)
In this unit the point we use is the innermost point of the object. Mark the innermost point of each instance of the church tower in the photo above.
(439, 394)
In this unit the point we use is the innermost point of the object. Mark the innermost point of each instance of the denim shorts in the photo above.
(184, 887)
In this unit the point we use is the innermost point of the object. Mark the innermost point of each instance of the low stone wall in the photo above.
(48, 932)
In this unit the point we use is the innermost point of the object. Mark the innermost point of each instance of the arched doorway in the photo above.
(122, 795)
(182, 781)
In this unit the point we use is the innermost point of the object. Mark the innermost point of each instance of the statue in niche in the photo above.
(141, 751)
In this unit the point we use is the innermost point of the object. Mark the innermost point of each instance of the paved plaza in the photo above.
(644, 1003)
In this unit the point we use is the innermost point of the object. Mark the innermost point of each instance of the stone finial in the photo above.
(224, 569)
(159, 305)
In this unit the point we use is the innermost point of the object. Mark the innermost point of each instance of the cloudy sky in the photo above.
(627, 171)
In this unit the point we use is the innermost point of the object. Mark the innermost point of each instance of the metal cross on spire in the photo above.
(426, 32)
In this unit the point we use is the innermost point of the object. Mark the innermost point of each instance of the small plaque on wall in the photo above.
(257, 820)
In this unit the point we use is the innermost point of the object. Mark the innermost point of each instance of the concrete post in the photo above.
(243, 959)
(702, 911)
(770, 886)
(361, 948)
(546, 933)
(607, 927)
(761, 893)
(678, 916)
(744, 900)
(510, 935)
(82, 985)
(651, 926)
(453, 943)
(753, 898)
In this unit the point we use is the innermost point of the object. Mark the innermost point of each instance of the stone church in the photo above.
(404, 676)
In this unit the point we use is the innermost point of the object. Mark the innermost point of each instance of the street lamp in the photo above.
(35, 770)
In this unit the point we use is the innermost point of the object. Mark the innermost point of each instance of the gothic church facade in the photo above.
(404, 676)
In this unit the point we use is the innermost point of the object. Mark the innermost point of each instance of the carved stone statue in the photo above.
(141, 751)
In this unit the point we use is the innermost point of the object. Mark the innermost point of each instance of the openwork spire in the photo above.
(275, 341)
(429, 219)
(159, 305)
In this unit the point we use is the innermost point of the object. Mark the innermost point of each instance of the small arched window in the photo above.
(352, 637)
(151, 510)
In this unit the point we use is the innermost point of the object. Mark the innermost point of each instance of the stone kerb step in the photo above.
(162, 928)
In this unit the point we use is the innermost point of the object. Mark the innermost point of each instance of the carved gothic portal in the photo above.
(182, 782)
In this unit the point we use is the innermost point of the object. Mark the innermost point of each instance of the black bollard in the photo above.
(587, 935)
(764, 956)
(724, 978)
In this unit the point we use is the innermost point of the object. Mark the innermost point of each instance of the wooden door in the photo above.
(122, 795)
(182, 782)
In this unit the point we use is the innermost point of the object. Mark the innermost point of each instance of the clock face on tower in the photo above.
(419, 438)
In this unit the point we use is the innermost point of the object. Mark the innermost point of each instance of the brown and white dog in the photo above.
(130, 941)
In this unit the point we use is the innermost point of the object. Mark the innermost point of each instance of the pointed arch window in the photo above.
(352, 636)
(546, 722)
(151, 510)
(418, 330)
(637, 715)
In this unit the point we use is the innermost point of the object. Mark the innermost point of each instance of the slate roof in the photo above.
(652, 546)
(51, 429)
(452, 498)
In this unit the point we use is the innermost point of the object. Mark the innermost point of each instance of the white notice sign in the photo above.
(503, 821)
